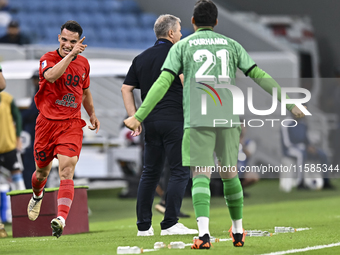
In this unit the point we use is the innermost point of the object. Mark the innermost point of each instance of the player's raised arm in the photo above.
(70, 47)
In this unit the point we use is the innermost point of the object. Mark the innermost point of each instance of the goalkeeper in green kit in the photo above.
(209, 62)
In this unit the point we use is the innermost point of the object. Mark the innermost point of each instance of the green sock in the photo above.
(233, 196)
(201, 195)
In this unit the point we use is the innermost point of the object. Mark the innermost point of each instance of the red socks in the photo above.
(65, 194)
(37, 186)
(65, 197)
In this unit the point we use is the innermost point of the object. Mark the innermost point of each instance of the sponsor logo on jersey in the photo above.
(43, 64)
(83, 76)
(68, 101)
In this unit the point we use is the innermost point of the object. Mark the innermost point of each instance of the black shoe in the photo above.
(238, 238)
(202, 243)
(301, 186)
(328, 186)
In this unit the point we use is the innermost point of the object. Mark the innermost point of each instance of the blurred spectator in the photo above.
(10, 142)
(2, 81)
(5, 16)
(4, 6)
(246, 150)
(296, 144)
(29, 116)
(329, 103)
(3, 232)
(14, 35)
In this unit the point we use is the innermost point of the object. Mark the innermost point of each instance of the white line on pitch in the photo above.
(318, 247)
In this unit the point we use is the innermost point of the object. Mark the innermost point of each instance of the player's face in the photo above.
(67, 40)
(177, 34)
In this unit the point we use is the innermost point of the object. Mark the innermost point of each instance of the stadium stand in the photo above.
(106, 23)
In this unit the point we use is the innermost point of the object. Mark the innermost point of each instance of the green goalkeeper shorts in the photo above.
(199, 145)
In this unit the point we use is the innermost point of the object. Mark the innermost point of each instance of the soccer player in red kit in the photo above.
(64, 86)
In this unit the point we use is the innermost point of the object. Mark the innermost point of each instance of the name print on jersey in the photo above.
(68, 101)
(208, 41)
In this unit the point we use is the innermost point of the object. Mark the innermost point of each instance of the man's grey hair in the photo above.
(164, 24)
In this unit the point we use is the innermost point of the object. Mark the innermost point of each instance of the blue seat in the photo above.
(135, 35)
(3, 31)
(104, 34)
(147, 20)
(149, 35)
(111, 6)
(52, 34)
(115, 20)
(89, 7)
(16, 6)
(130, 6)
(65, 16)
(130, 21)
(25, 19)
(120, 35)
(36, 6)
(99, 20)
(185, 32)
(90, 35)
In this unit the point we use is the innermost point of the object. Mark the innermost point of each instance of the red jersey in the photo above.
(62, 99)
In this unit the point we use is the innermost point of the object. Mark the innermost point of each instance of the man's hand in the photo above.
(297, 112)
(137, 132)
(95, 123)
(132, 123)
(79, 47)
(19, 144)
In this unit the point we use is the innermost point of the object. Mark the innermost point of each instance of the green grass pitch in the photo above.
(112, 224)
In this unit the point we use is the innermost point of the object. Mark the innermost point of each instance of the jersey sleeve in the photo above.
(47, 61)
(86, 79)
(131, 77)
(173, 62)
(245, 62)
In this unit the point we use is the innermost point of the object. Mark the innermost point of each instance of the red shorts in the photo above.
(54, 137)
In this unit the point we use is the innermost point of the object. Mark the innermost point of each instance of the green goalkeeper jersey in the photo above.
(209, 62)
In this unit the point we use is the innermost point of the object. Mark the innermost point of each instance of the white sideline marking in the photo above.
(148, 250)
(318, 247)
(302, 229)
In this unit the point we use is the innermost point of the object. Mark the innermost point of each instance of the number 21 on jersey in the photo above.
(202, 73)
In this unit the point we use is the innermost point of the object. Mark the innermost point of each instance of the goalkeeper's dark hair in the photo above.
(72, 26)
(205, 13)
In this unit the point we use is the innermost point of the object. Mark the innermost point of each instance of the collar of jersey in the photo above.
(162, 40)
(204, 28)
(63, 57)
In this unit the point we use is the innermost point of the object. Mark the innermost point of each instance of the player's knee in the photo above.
(66, 173)
(41, 174)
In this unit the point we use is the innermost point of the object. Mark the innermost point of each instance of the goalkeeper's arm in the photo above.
(267, 83)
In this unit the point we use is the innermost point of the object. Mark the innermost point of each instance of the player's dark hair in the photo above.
(205, 13)
(72, 26)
